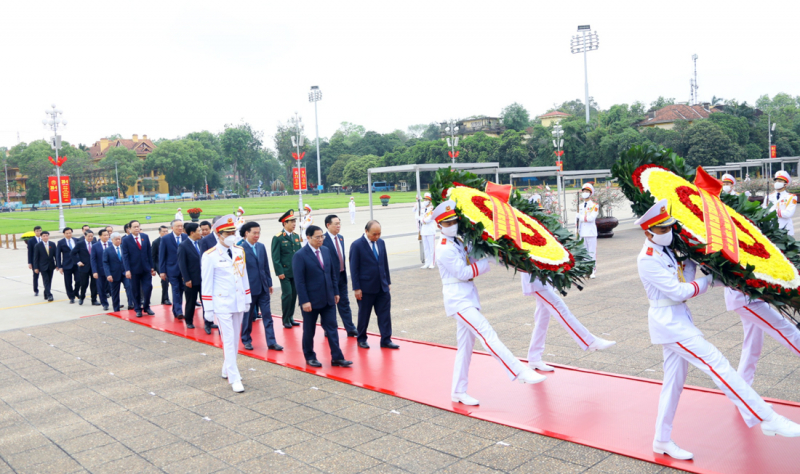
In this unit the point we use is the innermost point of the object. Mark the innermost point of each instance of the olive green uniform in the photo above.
(284, 246)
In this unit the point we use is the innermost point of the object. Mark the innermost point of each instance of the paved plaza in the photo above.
(98, 394)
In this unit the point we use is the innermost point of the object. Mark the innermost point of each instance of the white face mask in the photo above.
(726, 188)
(451, 231)
(663, 240)
(585, 195)
(779, 185)
(230, 241)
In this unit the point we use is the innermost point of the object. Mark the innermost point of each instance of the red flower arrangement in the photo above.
(386, 196)
(195, 210)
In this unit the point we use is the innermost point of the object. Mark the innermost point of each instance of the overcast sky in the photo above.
(167, 68)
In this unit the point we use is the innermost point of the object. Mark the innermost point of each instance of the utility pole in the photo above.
(584, 42)
(297, 141)
(53, 122)
(315, 96)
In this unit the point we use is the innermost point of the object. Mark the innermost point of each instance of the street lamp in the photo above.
(452, 140)
(5, 168)
(315, 95)
(584, 42)
(558, 143)
(297, 142)
(52, 122)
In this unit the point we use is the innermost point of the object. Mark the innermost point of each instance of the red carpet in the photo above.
(606, 411)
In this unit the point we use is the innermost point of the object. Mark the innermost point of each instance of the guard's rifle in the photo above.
(419, 229)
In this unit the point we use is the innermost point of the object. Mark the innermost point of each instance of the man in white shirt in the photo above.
(352, 207)
(179, 215)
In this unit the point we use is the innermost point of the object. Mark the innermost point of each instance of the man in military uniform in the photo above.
(284, 245)
(668, 284)
(226, 293)
(587, 229)
(782, 202)
(427, 228)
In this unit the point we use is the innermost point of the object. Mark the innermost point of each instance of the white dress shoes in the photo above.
(424, 266)
(593, 275)
(237, 387)
(531, 377)
(541, 366)
(465, 399)
(780, 425)
(600, 344)
(672, 450)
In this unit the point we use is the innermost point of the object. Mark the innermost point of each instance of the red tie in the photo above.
(320, 260)
(339, 252)
(137, 243)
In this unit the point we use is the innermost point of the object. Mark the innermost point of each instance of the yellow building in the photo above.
(16, 186)
(666, 117)
(553, 117)
(150, 184)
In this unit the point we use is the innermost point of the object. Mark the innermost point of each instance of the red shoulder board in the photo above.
(444, 241)
(649, 251)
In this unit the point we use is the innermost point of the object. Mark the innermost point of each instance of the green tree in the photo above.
(240, 147)
(355, 171)
(32, 162)
(128, 165)
(708, 145)
(336, 171)
(515, 117)
(661, 102)
(183, 163)
(433, 132)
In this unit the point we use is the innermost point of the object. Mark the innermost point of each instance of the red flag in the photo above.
(302, 155)
(449, 153)
(457, 154)
(52, 160)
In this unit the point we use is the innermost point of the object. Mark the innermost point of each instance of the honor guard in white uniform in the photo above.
(427, 229)
(226, 293)
(305, 223)
(587, 229)
(668, 284)
(179, 215)
(728, 183)
(461, 302)
(782, 202)
(352, 208)
(550, 305)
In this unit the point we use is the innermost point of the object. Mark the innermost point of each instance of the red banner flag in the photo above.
(52, 187)
(66, 192)
(299, 179)
(773, 151)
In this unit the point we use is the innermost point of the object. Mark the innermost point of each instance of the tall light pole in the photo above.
(297, 142)
(452, 140)
(315, 95)
(585, 41)
(53, 121)
(116, 172)
(5, 168)
(558, 142)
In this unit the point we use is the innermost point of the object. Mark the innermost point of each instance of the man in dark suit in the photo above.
(98, 271)
(255, 255)
(189, 263)
(126, 282)
(44, 262)
(162, 231)
(335, 245)
(65, 263)
(168, 265)
(315, 277)
(369, 269)
(32, 242)
(113, 268)
(138, 262)
(82, 257)
(207, 242)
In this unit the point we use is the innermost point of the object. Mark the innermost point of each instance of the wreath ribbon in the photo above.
(721, 233)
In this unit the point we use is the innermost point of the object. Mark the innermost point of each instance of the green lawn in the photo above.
(19, 222)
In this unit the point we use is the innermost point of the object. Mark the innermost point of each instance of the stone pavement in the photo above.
(102, 395)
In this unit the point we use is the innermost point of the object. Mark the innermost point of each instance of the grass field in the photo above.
(19, 222)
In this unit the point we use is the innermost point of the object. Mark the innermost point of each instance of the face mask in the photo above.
(585, 195)
(451, 231)
(663, 240)
(230, 241)
(779, 185)
(726, 188)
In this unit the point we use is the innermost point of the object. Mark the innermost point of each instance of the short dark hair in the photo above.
(247, 227)
(88, 231)
(44, 232)
(66, 229)
(205, 223)
(162, 227)
(102, 231)
(330, 218)
(311, 230)
(84, 226)
(191, 227)
(38, 227)
(370, 224)
(130, 224)
(127, 226)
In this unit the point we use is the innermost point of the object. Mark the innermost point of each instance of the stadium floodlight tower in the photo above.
(315, 95)
(452, 140)
(586, 40)
(52, 122)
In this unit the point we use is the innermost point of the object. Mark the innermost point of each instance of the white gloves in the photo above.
(208, 316)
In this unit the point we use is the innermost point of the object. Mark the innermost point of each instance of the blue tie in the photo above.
(119, 256)
(374, 250)
(196, 247)
(255, 252)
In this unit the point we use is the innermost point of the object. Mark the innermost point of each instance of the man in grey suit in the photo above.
(255, 254)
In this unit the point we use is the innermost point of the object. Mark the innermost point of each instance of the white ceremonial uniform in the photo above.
(179, 216)
(550, 305)
(352, 208)
(587, 229)
(427, 231)
(784, 204)
(671, 325)
(759, 317)
(461, 302)
(305, 224)
(226, 295)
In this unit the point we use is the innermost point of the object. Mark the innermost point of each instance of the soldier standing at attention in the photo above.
(284, 245)
(782, 202)
(587, 229)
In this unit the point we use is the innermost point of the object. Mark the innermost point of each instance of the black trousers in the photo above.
(102, 288)
(344, 304)
(70, 282)
(87, 281)
(176, 282)
(35, 281)
(142, 286)
(327, 315)
(47, 280)
(164, 291)
(191, 302)
(115, 286)
(382, 302)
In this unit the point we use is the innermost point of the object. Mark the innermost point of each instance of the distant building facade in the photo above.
(151, 183)
(666, 117)
(553, 117)
(491, 126)
(16, 186)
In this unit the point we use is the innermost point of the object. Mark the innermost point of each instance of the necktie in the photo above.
(119, 255)
(320, 259)
(89, 247)
(69, 242)
(196, 247)
(178, 239)
(137, 243)
(47, 249)
(230, 254)
(778, 197)
(375, 250)
(105, 245)
(339, 253)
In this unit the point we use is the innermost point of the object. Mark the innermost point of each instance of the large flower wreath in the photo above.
(547, 251)
(768, 257)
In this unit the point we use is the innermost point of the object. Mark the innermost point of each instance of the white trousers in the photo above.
(352, 217)
(591, 246)
(230, 326)
(471, 324)
(550, 305)
(703, 355)
(759, 318)
(427, 243)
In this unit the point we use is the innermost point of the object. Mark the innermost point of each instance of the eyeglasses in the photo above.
(317, 237)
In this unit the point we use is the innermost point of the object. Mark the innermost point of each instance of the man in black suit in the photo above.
(138, 262)
(335, 244)
(82, 257)
(32, 242)
(44, 262)
(255, 255)
(162, 231)
(315, 278)
(113, 269)
(66, 266)
(189, 263)
(369, 269)
(207, 242)
(126, 282)
(98, 272)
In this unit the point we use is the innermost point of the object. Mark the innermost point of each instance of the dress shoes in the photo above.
(600, 344)
(593, 276)
(275, 347)
(541, 366)
(391, 345)
(214, 326)
(190, 326)
(237, 387)
(138, 314)
(178, 316)
(295, 323)
(208, 330)
(35, 293)
(149, 312)
(341, 363)
(465, 399)
(49, 298)
(352, 334)
(288, 325)
(313, 363)
(248, 346)
(105, 308)
(425, 266)
(72, 301)
(363, 345)
(530, 377)
(672, 450)
(130, 306)
(95, 303)
(167, 302)
(80, 301)
(780, 425)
